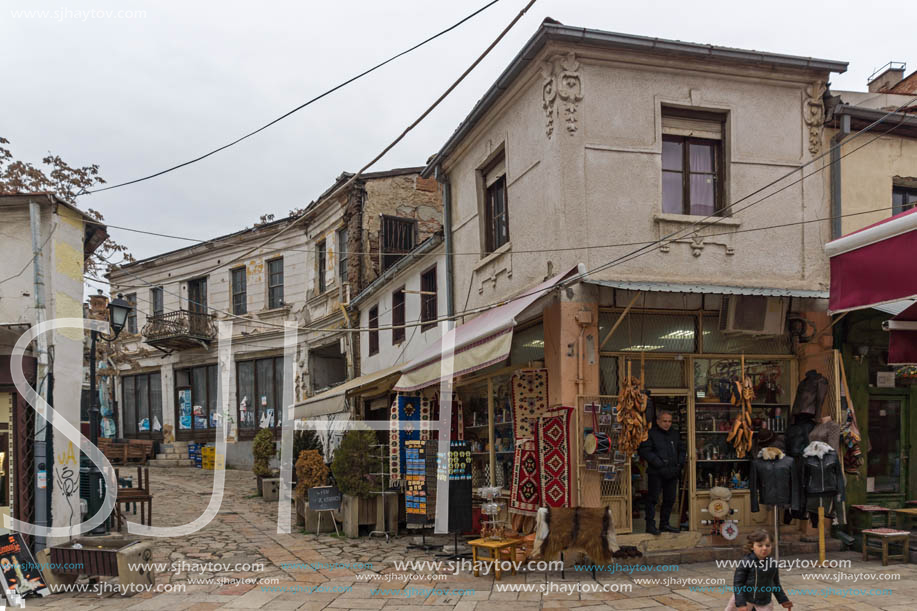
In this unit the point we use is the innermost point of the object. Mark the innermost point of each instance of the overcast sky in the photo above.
(137, 95)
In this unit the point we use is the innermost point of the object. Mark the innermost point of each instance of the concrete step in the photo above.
(178, 446)
(170, 462)
(172, 455)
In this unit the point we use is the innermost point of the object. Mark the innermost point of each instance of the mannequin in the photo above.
(774, 480)
(797, 439)
(823, 480)
(828, 431)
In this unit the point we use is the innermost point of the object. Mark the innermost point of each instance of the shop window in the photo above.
(131, 298)
(608, 375)
(398, 330)
(528, 345)
(141, 404)
(239, 291)
(197, 390)
(692, 163)
(398, 238)
(275, 283)
(496, 208)
(771, 379)
(259, 394)
(884, 464)
(649, 332)
(428, 313)
(718, 342)
(903, 199)
(156, 300)
(659, 373)
(374, 330)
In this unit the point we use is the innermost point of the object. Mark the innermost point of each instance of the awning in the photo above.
(902, 341)
(874, 265)
(707, 289)
(480, 343)
(333, 401)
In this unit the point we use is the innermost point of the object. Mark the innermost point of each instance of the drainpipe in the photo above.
(447, 231)
(42, 473)
(836, 207)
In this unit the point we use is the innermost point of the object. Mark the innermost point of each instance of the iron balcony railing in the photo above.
(179, 324)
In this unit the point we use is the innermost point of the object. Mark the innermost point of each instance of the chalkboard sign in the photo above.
(324, 498)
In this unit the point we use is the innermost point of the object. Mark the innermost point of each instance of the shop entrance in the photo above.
(886, 462)
(676, 403)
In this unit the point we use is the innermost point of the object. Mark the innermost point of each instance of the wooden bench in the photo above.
(114, 451)
(886, 536)
(139, 451)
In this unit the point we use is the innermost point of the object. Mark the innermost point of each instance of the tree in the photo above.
(65, 181)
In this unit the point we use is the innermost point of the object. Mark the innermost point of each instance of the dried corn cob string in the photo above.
(741, 433)
(631, 414)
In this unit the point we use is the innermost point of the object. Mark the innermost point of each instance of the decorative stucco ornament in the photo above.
(562, 81)
(813, 114)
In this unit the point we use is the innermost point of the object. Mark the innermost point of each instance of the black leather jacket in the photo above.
(823, 475)
(755, 580)
(774, 482)
(797, 437)
(663, 451)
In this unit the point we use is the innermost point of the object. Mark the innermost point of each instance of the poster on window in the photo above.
(246, 413)
(19, 571)
(200, 417)
(184, 408)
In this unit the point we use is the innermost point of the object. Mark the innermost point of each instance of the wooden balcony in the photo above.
(179, 330)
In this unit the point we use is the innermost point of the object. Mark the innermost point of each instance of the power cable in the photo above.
(298, 108)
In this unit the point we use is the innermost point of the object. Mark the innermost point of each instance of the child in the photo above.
(756, 578)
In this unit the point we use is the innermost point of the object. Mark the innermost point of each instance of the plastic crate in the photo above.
(208, 452)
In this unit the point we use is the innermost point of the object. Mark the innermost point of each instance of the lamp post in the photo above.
(118, 310)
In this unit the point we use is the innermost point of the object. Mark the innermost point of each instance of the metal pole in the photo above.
(94, 477)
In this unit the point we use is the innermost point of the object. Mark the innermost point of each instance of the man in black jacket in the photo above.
(664, 453)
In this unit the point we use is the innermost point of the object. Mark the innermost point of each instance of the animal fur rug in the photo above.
(587, 529)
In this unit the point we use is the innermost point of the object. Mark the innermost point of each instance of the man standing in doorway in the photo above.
(664, 453)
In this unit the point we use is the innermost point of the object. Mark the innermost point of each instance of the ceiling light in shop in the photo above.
(642, 348)
(679, 334)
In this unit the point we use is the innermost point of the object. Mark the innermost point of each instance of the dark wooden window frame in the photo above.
(239, 290)
(195, 433)
(137, 433)
(321, 260)
(493, 237)
(373, 338)
(397, 237)
(342, 236)
(245, 433)
(131, 325)
(686, 173)
(398, 317)
(428, 303)
(273, 287)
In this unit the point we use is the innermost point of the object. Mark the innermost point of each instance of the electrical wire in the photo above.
(32, 258)
(298, 108)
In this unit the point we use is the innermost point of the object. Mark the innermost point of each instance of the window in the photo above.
(259, 394)
(321, 258)
(374, 330)
(692, 162)
(239, 294)
(342, 255)
(275, 283)
(428, 299)
(496, 213)
(398, 237)
(198, 392)
(398, 316)
(141, 405)
(156, 300)
(131, 298)
(903, 198)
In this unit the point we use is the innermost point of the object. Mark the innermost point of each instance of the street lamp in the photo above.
(118, 311)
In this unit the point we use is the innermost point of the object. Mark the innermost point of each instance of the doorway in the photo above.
(886, 469)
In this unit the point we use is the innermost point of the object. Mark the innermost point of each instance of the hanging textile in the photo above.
(405, 409)
(426, 415)
(457, 426)
(415, 491)
(530, 400)
(431, 447)
(553, 443)
(525, 496)
(459, 487)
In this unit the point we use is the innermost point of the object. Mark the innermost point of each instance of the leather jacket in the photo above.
(755, 580)
(797, 437)
(811, 393)
(664, 452)
(774, 480)
(823, 475)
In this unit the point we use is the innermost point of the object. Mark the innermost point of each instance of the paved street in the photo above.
(245, 532)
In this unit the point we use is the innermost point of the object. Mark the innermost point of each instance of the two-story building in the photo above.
(633, 206)
(167, 358)
(873, 177)
(46, 242)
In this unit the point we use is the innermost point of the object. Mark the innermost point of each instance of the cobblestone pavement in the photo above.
(244, 532)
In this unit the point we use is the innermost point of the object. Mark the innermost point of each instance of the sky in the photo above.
(164, 82)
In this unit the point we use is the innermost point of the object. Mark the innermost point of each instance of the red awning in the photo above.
(902, 341)
(874, 265)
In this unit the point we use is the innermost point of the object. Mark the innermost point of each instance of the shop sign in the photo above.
(324, 498)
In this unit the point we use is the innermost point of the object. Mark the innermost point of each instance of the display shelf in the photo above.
(484, 426)
(723, 459)
(488, 453)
